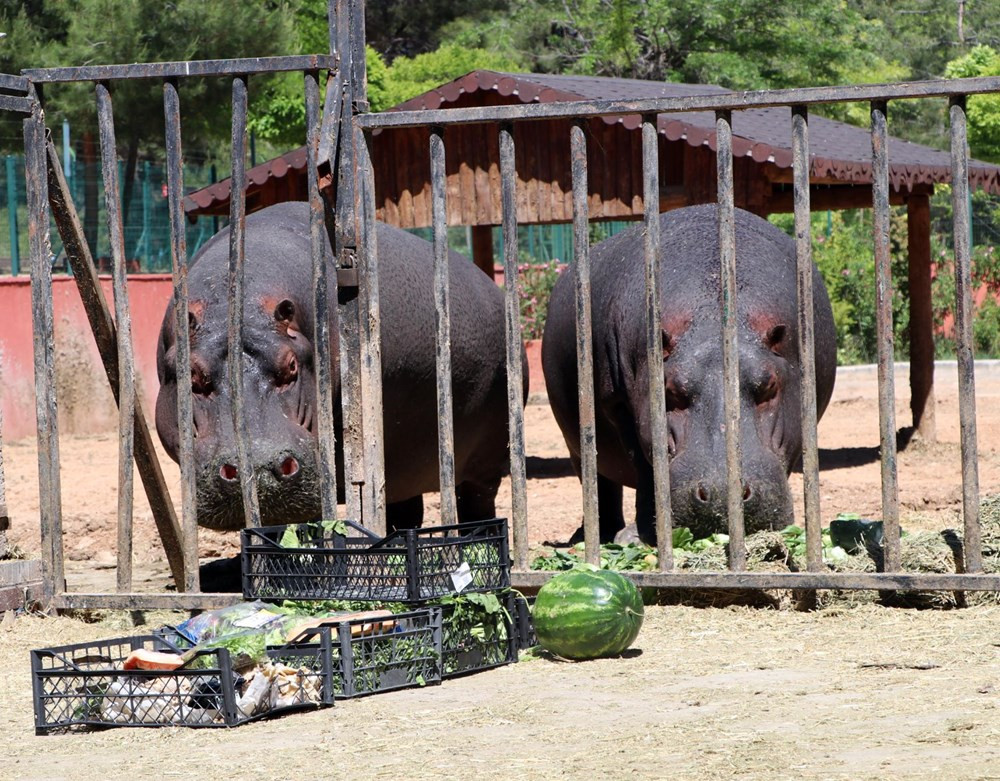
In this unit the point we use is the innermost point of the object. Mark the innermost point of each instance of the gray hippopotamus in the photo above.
(770, 432)
(279, 383)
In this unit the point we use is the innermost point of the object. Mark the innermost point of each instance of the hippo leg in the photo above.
(645, 506)
(407, 514)
(476, 500)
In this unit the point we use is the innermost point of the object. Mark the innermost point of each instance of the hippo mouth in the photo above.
(703, 507)
(287, 492)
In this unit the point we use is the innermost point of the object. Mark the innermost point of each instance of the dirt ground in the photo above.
(867, 692)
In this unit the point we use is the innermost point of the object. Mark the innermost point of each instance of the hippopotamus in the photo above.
(770, 429)
(279, 380)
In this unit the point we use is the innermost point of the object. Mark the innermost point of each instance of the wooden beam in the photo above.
(822, 197)
(918, 222)
(482, 248)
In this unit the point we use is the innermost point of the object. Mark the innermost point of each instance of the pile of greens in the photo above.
(639, 557)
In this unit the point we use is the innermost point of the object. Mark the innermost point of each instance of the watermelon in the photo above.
(586, 613)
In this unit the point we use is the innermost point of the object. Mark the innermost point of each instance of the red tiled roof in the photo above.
(837, 150)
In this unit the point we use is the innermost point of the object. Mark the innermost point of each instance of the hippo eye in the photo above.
(767, 390)
(290, 372)
(677, 398)
(201, 383)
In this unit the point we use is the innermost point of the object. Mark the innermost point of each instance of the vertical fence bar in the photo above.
(730, 346)
(442, 330)
(179, 266)
(237, 256)
(807, 352)
(40, 251)
(123, 325)
(584, 342)
(654, 343)
(349, 298)
(15, 250)
(963, 331)
(512, 320)
(325, 444)
(886, 347)
(371, 337)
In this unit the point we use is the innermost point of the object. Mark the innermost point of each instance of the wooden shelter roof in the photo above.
(840, 158)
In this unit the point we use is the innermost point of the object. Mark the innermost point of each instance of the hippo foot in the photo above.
(221, 576)
(628, 535)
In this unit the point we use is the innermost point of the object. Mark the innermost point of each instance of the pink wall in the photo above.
(82, 391)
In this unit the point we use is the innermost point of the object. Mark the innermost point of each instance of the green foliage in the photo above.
(843, 250)
(983, 111)
(536, 282)
(407, 77)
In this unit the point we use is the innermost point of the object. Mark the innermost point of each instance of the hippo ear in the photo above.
(284, 316)
(775, 337)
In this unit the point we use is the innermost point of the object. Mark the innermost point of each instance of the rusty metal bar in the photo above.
(512, 321)
(185, 401)
(729, 311)
(686, 579)
(123, 325)
(91, 294)
(237, 256)
(655, 356)
(359, 74)
(180, 69)
(345, 241)
(886, 343)
(14, 83)
(39, 247)
(323, 361)
(584, 342)
(371, 338)
(963, 332)
(442, 330)
(11, 103)
(733, 101)
(807, 351)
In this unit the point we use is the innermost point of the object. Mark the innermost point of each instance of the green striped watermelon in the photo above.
(586, 613)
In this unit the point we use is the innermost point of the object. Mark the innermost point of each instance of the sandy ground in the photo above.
(857, 693)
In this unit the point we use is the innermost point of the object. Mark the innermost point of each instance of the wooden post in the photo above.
(482, 248)
(918, 221)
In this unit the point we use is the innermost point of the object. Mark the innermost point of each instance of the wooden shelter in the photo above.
(840, 174)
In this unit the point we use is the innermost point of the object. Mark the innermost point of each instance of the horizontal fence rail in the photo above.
(174, 70)
(732, 101)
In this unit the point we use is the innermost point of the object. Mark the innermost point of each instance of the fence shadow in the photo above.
(846, 457)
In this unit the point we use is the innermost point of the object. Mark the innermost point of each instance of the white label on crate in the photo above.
(256, 620)
(462, 577)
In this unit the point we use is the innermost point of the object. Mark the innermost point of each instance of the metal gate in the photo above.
(339, 143)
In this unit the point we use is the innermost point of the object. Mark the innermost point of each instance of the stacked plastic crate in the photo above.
(460, 573)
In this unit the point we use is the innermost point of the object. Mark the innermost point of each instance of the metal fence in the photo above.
(341, 137)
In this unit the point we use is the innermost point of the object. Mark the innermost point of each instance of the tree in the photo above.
(983, 111)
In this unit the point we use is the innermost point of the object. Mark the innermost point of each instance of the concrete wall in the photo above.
(82, 391)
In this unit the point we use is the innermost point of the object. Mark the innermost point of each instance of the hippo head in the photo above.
(279, 403)
(770, 427)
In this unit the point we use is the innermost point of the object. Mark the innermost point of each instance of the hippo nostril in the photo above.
(289, 467)
(228, 472)
(747, 493)
(701, 493)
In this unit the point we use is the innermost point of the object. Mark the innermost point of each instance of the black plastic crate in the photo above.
(524, 626)
(474, 640)
(411, 565)
(395, 652)
(84, 685)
